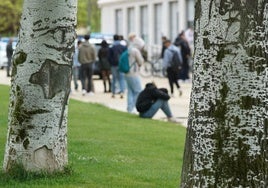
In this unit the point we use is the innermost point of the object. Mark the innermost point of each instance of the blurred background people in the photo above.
(182, 43)
(171, 73)
(87, 56)
(133, 79)
(117, 77)
(9, 52)
(163, 38)
(104, 63)
(76, 66)
(151, 99)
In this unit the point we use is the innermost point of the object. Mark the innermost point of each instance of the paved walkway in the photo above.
(179, 105)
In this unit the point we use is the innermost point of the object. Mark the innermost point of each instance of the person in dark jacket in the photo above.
(117, 77)
(105, 68)
(182, 42)
(151, 99)
(9, 52)
(163, 38)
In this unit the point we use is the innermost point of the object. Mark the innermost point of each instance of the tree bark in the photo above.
(41, 76)
(227, 136)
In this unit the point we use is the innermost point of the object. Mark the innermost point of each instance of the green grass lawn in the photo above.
(108, 148)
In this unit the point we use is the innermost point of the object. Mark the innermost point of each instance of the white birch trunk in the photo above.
(37, 126)
(227, 137)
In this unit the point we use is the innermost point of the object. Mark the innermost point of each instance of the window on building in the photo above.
(118, 22)
(157, 23)
(130, 20)
(144, 22)
(173, 17)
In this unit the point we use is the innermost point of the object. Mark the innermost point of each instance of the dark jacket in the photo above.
(115, 51)
(103, 55)
(9, 50)
(149, 96)
(185, 48)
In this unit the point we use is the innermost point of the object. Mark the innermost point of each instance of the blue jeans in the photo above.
(133, 90)
(159, 104)
(117, 76)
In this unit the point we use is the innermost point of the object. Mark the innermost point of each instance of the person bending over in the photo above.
(151, 99)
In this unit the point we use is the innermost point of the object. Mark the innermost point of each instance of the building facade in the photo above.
(150, 19)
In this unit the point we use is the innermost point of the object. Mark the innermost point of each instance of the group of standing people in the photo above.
(125, 81)
(148, 101)
(85, 55)
(83, 59)
(131, 78)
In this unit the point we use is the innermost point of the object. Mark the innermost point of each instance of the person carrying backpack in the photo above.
(117, 77)
(132, 77)
(171, 62)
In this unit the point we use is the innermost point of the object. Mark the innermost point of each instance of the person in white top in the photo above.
(133, 80)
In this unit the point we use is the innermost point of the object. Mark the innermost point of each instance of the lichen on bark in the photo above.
(37, 126)
(226, 141)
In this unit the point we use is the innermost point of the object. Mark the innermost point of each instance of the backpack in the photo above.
(175, 62)
(123, 64)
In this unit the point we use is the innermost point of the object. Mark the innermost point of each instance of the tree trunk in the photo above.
(41, 76)
(227, 136)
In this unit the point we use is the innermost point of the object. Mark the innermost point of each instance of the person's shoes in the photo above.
(180, 92)
(121, 95)
(90, 93)
(84, 92)
(113, 96)
(172, 120)
(134, 111)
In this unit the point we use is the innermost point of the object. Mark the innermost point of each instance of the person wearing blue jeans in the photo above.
(151, 99)
(133, 79)
(76, 66)
(117, 77)
(133, 90)
(158, 104)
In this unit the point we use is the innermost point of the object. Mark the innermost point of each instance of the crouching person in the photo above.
(151, 99)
